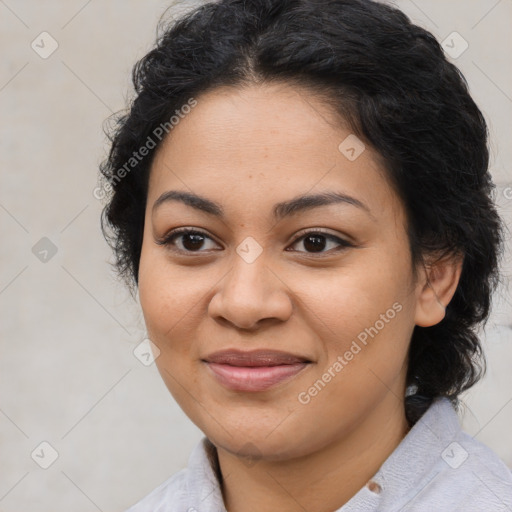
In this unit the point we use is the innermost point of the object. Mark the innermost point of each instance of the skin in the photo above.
(248, 149)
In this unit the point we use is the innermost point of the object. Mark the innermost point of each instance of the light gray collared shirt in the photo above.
(436, 468)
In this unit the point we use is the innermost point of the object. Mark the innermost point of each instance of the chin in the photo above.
(262, 442)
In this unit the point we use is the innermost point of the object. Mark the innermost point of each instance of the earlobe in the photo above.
(436, 289)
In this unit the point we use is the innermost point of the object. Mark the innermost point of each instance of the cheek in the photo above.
(170, 307)
(353, 296)
(162, 305)
(168, 295)
(365, 314)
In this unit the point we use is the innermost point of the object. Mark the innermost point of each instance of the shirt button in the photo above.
(374, 486)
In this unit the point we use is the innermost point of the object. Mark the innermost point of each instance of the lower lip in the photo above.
(257, 378)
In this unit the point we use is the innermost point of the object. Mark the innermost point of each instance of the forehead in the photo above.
(265, 141)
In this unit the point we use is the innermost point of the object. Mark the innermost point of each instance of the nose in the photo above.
(251, 294)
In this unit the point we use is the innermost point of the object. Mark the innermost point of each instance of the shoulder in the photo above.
(194, 488)
(437, 466)
(475, 475)
(468, 476)
(168, 496)
(458, 471)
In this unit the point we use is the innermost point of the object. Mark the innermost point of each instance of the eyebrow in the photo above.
(280, 210)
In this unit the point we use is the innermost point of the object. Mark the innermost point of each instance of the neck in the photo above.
(335, 473)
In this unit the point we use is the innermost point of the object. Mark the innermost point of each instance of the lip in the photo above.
(255, 370)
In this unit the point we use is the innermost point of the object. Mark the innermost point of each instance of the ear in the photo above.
(436, 286)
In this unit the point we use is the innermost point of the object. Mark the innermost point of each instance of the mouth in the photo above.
(256, 370)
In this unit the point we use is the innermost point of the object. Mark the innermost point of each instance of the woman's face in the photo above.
(339, 301)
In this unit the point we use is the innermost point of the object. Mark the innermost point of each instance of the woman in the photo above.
(301, 196)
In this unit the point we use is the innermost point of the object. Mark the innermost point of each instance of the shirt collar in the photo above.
(203, 486)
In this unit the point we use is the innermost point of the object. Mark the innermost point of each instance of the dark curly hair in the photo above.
(390, 80)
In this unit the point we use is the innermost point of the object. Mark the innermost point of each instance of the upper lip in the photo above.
(261, 357)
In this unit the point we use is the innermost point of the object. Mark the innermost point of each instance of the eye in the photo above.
(316, 241)
(190, 240)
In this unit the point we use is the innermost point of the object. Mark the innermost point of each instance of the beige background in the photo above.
(68, 375)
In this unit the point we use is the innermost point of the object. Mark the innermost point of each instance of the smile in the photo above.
(254, 371)
(255, 378)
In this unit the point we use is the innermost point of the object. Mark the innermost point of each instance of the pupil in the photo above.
(193, 241)
(318, 244)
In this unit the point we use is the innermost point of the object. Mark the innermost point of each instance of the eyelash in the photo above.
(169, 239)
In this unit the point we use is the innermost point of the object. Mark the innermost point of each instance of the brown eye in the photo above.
(317, 242)
(188, 240)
